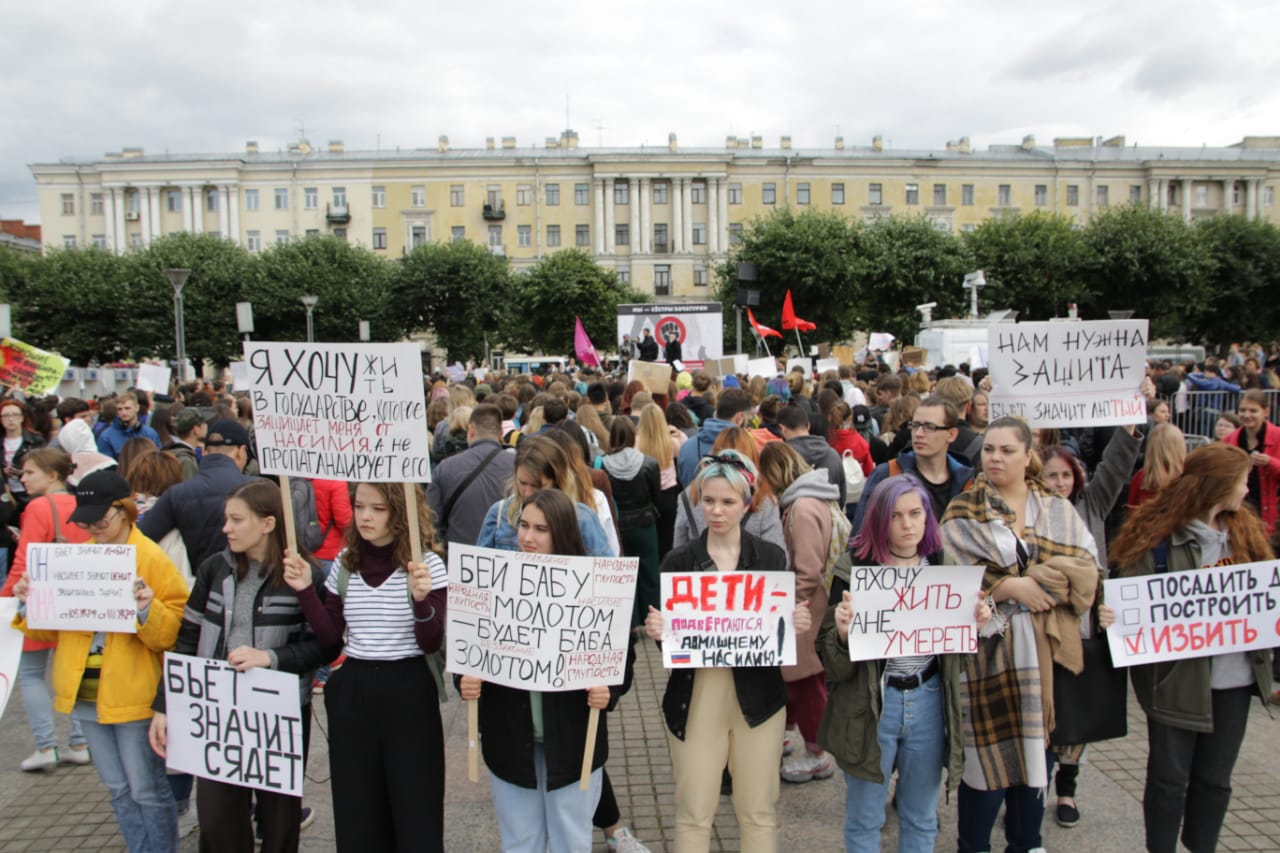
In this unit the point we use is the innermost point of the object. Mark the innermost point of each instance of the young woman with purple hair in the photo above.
(901, 712)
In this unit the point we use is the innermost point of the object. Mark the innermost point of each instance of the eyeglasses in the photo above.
(101, 524)
(929, 428)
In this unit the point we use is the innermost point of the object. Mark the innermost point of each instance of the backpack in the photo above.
(435, 660)
(854, 479)
(306, 517)
(838, 562)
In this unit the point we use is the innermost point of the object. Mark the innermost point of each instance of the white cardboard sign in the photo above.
(242, 728)
(154, 377)
(1068, 374)
(825, 364)
(1195, 613)
(726, 619)
(10, 650)
(539, 621)
(765, 366)
(352, 412)
(82, 587)
(924, 610)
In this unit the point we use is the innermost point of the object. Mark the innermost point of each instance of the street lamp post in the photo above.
(178, 278)
(364, 330)
(972, 282)
(244, 318)
(310, 303)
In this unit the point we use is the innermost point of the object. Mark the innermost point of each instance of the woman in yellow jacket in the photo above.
(108, 680)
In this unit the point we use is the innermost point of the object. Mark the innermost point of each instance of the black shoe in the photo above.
(1067, 816)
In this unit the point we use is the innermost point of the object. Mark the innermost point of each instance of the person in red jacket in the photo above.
(46, 519)
(333, 509)
(1261, 440)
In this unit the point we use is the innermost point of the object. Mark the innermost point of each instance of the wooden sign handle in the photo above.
(290, 525)
(473, 740)
(589, 753)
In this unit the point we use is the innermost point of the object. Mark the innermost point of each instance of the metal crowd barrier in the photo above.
(1196, 412)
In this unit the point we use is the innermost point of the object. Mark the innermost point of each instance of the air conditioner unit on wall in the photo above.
(132, 216)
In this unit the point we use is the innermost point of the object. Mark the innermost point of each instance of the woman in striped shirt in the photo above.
(386, 742)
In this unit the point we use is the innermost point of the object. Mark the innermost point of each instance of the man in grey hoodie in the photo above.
(793, 423)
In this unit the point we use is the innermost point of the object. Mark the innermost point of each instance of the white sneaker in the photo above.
(188, 820)
(41, 759)
(790, 738)
(73, 755)
(807, 766)
(623, 841)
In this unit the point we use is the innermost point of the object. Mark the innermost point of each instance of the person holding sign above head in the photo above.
(242, 611)
(898, 713)
(1197, 708)
(107, 681)
(533, 742)
(737, 713)
(1041, 575)
(386, 742)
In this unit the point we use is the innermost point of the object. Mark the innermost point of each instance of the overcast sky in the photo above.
(82, 77)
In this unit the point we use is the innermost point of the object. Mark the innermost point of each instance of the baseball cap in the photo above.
(226, 433)
(861, 417)
(96, 493)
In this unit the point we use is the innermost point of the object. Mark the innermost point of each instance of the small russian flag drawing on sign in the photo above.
(681, 657)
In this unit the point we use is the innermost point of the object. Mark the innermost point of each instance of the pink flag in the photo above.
(582, 345)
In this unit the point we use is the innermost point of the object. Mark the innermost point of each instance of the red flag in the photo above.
(762, 331)
(791, 321)
(582, 345)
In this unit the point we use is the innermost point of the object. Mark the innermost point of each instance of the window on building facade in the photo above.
(1202, 195)
(968, 228)
(735, 233)
(282, 198)
(417, 196)
(699, 234)
(282, 237)
(553, 236)
(379, 238)
(68, 241)
(457, 195)
(621, 192)
(1104, 196)
(698, 192)
(68, 204)
(660, 243)
(837, 193)
(1004, 195)
(96, 205)
(769, 194)
(1172, 194)
(1073, 195)
(553, 195)
(133, 202)
(493, 196)
(524, 195)
(966, 195)
(582, 235)
(458, 232)
(661, 189)
(173, 201)
(135, 241)
(250, 199)
(699, 276)
(417, 235)
(939, 195)
(913, 194)
(624, 275)
(1135, 194)
(495, 235)
(735, 193)
(622, 235)
(311, 198)
(100, 242)
(662, 280)
(339, 197)
(582, 194)
(1268, 196)
(802, 193)
(524, 236)
(340, 233)
(875, 194)
(211, 201)
(253, 241)
(379, 197)
(1042, 195)
(310, 232)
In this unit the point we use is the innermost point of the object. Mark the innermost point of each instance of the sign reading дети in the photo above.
(352, 412)
(725, 619)
(1068, 374)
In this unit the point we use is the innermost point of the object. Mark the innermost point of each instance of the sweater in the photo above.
(806, 522)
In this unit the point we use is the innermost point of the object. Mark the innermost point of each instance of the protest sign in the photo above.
(699, 326)
(81, 587)
(880, 341)
(33, 370)
(740, 360)
(239, 375)
(10, 650)
(1068, 374)
(1195, 613)
(913, 356)
(655, 375)
(845, 354)
(339, 411)
(719, 619)
(822, 365)
(922, 610)
(242, 728)
(719, 366)
(539, 621)
(805, 365)
(765, 366)
(154, 377)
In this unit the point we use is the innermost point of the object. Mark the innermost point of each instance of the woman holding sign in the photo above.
(386, 742)
(736, 714)
(241, 610)
(107, 681)
(1039, 558)
(901, 713)
(1197, 707)
(533, 742)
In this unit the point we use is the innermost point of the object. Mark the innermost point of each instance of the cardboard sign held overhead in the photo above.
(845, 355)
(718, 366)
(913, 356)
(656, 376)
(154, 377)
(766, 367)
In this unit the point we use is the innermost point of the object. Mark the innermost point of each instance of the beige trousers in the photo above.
(716, 731)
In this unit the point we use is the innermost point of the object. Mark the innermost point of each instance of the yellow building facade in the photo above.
(660, 216)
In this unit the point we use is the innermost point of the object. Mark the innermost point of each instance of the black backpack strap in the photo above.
(462, 487)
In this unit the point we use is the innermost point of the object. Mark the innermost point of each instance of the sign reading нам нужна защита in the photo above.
(919, 610)
(1068, 374)
(539, 621)
(242, 728)
(352, 412)
(1209, 611)
(81, 587)
(725, 619)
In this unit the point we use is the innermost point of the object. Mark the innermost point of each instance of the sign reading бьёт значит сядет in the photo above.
(1068, 374)
(353, 412)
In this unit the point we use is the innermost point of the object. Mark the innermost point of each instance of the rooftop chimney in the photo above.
(508, 143)
(1114, 142)
(128, 153)
(839, 143)
(251, 147)
(335, 146)
(1029, 142)
(671, 143)
(877, 143)
(757, 141)
(786, 143)
(442, 144)
(730, 142)
(552, 142)
(569, 139)
(488, 143)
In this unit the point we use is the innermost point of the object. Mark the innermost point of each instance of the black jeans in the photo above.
(977, 811)
(1189, 776)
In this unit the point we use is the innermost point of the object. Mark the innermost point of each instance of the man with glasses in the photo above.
(943, 474)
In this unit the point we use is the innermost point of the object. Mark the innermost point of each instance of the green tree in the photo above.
(1149, 262)
(1241, 282)
(909, 262)
(546, 297)
(69, 301)
(459, 290)
(1034, 263)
